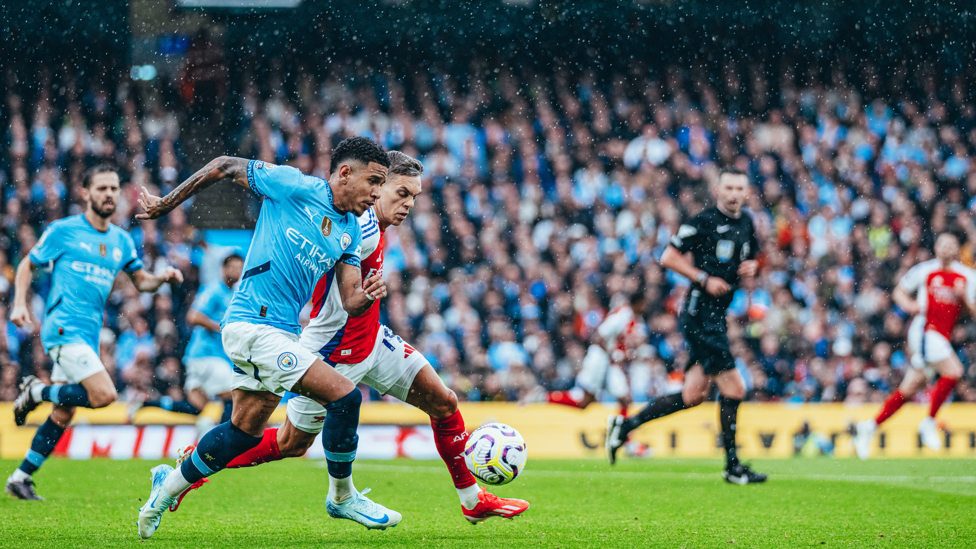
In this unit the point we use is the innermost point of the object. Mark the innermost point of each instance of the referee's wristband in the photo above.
(702, 278)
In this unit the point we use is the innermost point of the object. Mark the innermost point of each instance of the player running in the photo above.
(208, 370)
(723, 244)
(945, 288)
(307, 228)
(363, 350)
(614, 342)
(84, 253)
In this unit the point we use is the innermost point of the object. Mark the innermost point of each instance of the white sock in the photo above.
(341, 488)
(18, 476)
(36, 392)
(469, 496)
(175, 484)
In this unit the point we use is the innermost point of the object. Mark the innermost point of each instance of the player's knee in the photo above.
(692, 398)
(295, 446)
(953, 369)
(444, 404)
(101, 399)
(62, 415)
(737, 393)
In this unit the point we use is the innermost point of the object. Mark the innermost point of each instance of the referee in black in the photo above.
(723, 247)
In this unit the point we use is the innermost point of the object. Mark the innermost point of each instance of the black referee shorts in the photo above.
(708, 344)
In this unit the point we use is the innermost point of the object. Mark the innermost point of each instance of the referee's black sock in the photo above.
(658, 407)
(728, 411)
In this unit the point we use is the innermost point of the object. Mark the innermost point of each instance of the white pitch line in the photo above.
(683, 476)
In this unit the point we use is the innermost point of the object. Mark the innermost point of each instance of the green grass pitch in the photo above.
(648, 503)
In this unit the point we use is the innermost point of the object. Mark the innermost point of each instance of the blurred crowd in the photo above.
(546, 195)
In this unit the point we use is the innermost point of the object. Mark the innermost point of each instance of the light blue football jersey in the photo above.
(84, 263)
(298, 238)
(212, 301)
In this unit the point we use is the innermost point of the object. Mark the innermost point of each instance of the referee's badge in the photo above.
(724, 250)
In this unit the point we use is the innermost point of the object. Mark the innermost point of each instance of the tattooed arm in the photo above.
(357, 297)
(219, 168)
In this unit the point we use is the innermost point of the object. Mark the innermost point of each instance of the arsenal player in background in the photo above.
(945, 288)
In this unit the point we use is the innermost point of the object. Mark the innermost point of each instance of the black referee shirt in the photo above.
(719, 244)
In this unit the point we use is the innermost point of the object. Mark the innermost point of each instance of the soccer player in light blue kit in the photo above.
(208, 369)
(84, 253)
(306, 228)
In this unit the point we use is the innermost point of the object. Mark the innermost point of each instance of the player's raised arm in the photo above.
(20, 313)
(357, 298)
(148, 282)
(222, 167)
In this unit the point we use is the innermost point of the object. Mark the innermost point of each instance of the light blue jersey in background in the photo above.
(84, 263)
(212, 301)
(298, 238)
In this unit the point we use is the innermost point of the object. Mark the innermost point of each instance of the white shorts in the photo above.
(927, 346)
(390, 369)
(265, 358)
(74, 362)
(597, 374)
(213, 375)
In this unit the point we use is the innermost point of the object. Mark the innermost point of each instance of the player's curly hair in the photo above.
(362, 149)
(404, 164)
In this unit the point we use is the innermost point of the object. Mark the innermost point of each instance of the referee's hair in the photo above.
(730, 171)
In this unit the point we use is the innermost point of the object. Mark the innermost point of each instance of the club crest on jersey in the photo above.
(287, 362)
(117, 254)
(103, 250)
(345, 240)
(326, 225)
(724, 250)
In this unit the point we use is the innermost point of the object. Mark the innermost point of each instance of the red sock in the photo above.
(940, 393)
(891, 406)
(449, 437)
(564, 398)
(265, 451)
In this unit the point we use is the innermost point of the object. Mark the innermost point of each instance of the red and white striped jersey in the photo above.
(335, 336)
(940, 308)
(619, 323)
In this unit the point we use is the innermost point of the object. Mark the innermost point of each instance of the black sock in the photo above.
(659, 407)
(728, 411)
(215, 450)
(45, 440)
(228, 408)
(66, 395)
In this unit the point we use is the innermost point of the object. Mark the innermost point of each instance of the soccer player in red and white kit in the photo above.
(945, 289)
(611, 347)
(363, 350)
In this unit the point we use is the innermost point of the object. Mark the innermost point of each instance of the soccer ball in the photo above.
(495, 453)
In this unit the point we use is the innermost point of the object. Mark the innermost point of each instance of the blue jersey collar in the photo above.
(85, 217)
